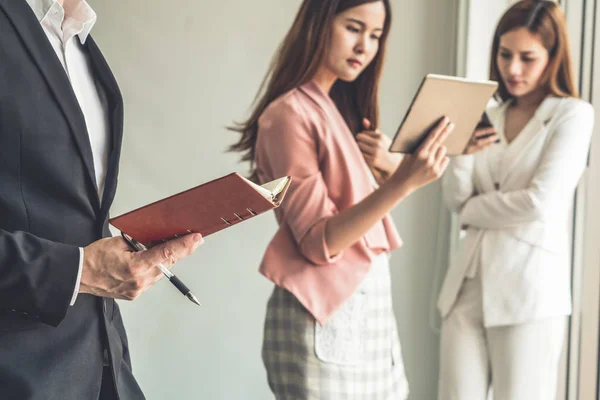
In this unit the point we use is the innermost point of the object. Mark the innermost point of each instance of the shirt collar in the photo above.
(78, 10)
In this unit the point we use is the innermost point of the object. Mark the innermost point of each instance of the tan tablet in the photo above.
(462, 100)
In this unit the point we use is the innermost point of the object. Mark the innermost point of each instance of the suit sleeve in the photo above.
(288, 145)
(37, 276)
(457, 182)
(556, 177)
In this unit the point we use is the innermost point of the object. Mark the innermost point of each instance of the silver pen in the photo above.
(166, 272)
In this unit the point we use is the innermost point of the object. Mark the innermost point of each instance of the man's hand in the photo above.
(112, 269)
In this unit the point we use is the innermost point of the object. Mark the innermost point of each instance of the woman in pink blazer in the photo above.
(330, 332)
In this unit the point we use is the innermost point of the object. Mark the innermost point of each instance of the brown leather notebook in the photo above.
(204, 209)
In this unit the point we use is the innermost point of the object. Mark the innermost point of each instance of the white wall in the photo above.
(483, 16)
(188, 71)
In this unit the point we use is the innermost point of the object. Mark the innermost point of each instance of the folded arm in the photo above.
(555, 179)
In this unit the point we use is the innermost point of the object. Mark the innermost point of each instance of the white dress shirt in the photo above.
(64, 25)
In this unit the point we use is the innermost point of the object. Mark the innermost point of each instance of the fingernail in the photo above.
(198, 240)
(451, 126)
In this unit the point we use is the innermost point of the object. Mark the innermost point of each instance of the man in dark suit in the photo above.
(61, 122)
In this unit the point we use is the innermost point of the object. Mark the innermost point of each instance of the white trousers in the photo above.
(520, 362)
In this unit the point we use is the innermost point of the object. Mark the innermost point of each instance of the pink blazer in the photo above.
(302, 134)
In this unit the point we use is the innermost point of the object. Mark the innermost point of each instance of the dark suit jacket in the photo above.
(49, 207)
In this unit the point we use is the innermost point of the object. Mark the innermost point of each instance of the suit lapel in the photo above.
(42, 53)
(521, 146)
(518, 147)
(107, 80)
(327, 105)
(483, 171)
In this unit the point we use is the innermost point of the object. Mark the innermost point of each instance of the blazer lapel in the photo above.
(107, 80)
(45, 58)
(520, 146)
(376, 237)
(326, 104)
(484, 181)
(483, 172)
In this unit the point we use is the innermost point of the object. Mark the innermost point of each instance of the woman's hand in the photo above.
(374, 146)
(428, 162)
(482, 139)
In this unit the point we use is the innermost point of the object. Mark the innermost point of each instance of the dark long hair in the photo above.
(546, 19)
(297, 61)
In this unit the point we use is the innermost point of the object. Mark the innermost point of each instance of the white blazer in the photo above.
(518, 227)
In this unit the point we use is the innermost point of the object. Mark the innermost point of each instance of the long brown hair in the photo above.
(297, 61)
(546, 19)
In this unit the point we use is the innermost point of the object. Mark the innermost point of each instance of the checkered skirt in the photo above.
(355, 356)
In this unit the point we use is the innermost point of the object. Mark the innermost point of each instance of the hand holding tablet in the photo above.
(463, 101)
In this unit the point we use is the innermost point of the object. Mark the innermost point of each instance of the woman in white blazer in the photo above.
(506, 296)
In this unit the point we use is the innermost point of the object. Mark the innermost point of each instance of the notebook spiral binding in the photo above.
(251, 211)
(175, 236)
(226, 221)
